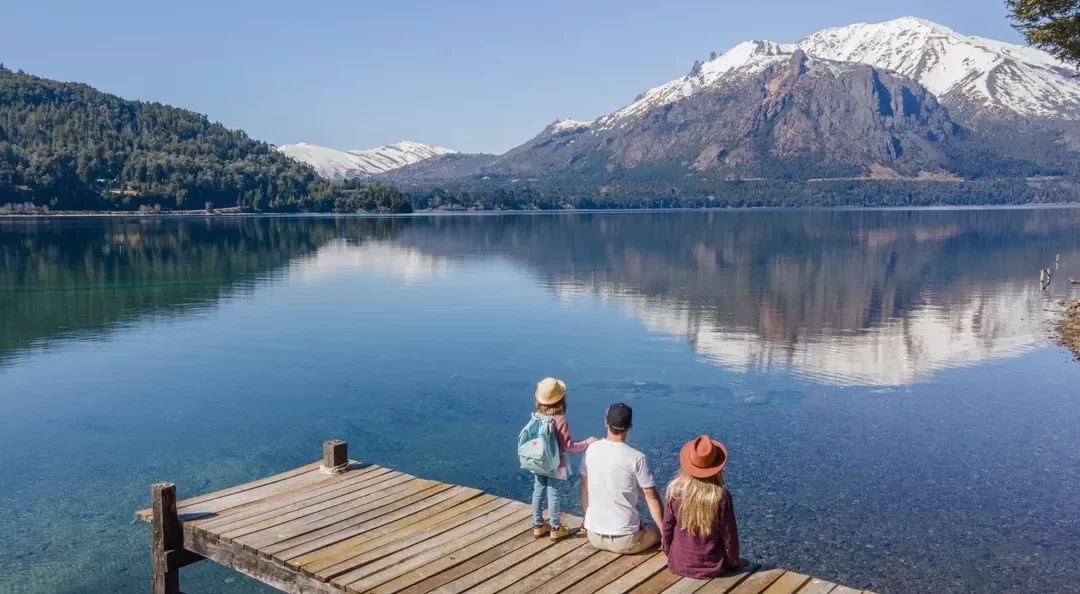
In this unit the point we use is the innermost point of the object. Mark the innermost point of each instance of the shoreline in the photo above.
(1068, 328)
(231, 212)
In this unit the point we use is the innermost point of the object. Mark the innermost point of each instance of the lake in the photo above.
(897, 414)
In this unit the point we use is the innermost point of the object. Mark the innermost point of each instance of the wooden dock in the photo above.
(373, 529)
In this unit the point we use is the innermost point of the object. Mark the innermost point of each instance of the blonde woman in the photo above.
(700, 537)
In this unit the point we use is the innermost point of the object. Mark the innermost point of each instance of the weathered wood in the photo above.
(405, 560)
(266, 538)
(552, 570)
(234, 501)
(789, 583)
(577, 573)
(495, 567)
(399, 507)
(686, 586)
(346, 482)
(457, 559)
(335, 453)
(816, 586)
(522, 570)
(166, 536)
(304, 513)
(757, 582)
(255, 567)
(504, 551)
(843, 590)
(624, 564)
(726, 583)
(178, 558)
(394, 540)
(145, 514)
(657, 583)
(635, 576)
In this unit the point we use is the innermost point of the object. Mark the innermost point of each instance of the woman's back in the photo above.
(702, 555)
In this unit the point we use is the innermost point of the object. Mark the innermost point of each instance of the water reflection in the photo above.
(863, 297)
(848, 297)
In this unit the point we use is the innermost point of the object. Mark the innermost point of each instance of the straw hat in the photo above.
(703, 457)
(550, 391)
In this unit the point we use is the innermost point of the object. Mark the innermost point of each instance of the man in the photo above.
(611, 475)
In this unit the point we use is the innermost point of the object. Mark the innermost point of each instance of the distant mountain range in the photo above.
(903, 99)
(341, 165)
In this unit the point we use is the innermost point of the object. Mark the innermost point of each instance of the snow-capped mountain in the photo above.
(962, 71)
(343, 165)
(989, 74)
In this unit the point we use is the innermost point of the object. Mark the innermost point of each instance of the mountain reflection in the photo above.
(866, 297)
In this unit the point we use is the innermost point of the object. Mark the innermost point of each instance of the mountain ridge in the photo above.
(343, 165)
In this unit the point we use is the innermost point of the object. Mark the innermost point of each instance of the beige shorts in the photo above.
(647, 537)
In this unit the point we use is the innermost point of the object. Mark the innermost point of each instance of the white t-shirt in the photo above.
(617, 472)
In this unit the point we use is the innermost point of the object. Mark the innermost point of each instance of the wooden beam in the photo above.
(250, 564)
(335, 453)
(166, 536)
(178, 558)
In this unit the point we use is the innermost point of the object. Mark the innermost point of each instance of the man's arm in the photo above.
(584, 500)
(656, 508)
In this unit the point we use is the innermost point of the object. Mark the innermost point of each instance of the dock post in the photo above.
(166, 536)
(335, 454)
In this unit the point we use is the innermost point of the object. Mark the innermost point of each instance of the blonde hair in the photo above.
(559, 408)
(699, 501)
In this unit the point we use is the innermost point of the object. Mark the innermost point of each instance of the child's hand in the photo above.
(590, 441)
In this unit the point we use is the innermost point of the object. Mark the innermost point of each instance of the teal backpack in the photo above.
(538, 450)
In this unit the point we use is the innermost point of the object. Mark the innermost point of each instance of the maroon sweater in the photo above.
(701, 557)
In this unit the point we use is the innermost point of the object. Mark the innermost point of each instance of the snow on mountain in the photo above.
(991, 74)
(982, 72)
(343, 165)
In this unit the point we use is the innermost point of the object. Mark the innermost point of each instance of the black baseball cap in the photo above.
(620, 416)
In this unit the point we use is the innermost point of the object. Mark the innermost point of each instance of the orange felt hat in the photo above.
(703, 457)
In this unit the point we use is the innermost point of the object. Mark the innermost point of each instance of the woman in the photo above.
(701, 539)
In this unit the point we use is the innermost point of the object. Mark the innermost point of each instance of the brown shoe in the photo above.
(541, 530)
(560, 533)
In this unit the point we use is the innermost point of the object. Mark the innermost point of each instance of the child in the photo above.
(700, 537)
(551, 401)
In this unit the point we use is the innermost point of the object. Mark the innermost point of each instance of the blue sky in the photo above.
(474, 75)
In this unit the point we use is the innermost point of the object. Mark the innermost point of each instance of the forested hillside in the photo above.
(68, 146)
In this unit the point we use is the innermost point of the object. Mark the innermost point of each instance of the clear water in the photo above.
(897, 415)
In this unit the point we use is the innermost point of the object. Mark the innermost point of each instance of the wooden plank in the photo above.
(501, 552)
(553, 569)
(355, 499)
(789, 583)
(382, 526)
(573, 575)
(816, 586)
(686, 586)
(289, 485)
(757, 582)
(635, 576)
(844, 590)
(728, 582)
(404, 536)
(146, 514)
(454, 560)
(621, 566)
(405, 560)
(349, 481)
(657, 583)
(261, 540)
(251, 565)
(495, 567)
(393, 509)
(519, 572)
(388, 568)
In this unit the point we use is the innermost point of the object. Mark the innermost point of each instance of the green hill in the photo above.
(68, 146)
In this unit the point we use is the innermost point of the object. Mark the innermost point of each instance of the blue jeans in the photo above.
(549, 484)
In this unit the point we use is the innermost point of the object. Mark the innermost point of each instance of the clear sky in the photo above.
(473, 75)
